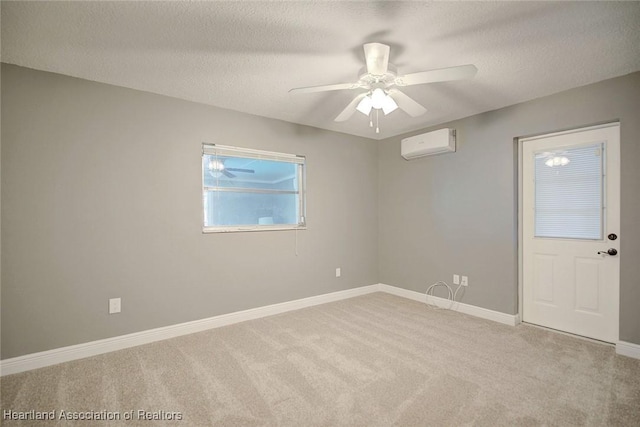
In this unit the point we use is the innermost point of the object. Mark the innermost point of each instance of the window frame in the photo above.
(250, 153)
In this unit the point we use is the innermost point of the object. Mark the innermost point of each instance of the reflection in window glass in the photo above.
(251, 190)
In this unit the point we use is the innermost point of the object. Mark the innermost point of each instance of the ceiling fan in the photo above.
(380, 80)
(217, 168)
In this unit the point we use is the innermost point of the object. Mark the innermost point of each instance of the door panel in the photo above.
(588, 284)
(543, 278)
(571, 202)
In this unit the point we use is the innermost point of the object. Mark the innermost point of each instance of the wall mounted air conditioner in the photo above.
(428, 144)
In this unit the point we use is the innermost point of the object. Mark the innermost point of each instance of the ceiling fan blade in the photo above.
(240, 170)
(325, 88)
(407, 104)
(377, 57)
(227, 174)
(350, 109)
(440, 75)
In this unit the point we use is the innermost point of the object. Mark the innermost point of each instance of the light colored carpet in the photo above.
(375, 360)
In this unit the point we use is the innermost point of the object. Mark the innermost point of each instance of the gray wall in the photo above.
(101, 198)
(456, 213)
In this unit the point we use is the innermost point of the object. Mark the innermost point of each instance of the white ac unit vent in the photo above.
(436, 142)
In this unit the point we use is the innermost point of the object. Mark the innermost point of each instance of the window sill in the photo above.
(208, 230)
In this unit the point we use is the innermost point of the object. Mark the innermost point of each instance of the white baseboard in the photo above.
(628, 349)
(622, 348)
(94, 348)
(496, 316)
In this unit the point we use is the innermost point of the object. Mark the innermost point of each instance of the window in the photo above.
(251, 190)
(569, 193)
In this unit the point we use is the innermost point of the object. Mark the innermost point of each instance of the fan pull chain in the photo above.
(377, 122)
(370, 120)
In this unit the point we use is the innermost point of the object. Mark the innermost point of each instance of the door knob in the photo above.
(610, 251)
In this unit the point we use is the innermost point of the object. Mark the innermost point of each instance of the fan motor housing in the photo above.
(387, 78)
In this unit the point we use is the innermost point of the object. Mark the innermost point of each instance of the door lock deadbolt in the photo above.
(612, 236)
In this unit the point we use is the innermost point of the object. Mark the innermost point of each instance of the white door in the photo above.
(570, 231)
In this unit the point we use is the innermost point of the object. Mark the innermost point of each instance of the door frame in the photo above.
(518, 142)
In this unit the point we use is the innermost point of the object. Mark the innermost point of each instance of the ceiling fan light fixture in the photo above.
(378, 97)
(389, 105)
(365, 105)
(380, 79)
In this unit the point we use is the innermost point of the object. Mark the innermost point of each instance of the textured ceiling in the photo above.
(245, 56)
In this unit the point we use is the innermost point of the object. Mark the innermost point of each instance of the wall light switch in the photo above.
(338, 272)
(114, 305)
(465, 281)
(456, 279)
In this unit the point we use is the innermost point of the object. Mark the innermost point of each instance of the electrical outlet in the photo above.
(456, 279)
(114, 305)
(338, 272)
(465, 281)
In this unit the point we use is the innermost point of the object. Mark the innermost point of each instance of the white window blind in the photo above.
(569, 193)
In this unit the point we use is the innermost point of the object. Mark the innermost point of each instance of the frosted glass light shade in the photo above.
(365, 105)
(389, 105)
(378, 98)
